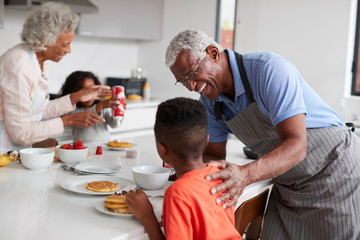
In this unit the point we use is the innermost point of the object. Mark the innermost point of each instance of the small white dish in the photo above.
(98, 168)
(87, 173)
(99, 205)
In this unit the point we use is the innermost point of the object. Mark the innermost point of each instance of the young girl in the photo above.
(98, 132)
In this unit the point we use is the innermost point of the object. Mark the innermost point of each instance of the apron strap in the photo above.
(218, 110)
(244, 77)
(218, 106)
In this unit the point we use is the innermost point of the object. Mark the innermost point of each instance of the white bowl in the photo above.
(71, 156)
(37, 158)
(150, 177)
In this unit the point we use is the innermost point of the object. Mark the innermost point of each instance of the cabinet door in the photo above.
(126, 19)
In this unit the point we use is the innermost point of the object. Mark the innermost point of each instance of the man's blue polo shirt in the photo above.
(279, 91)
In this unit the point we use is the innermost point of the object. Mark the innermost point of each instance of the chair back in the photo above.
(249, 216)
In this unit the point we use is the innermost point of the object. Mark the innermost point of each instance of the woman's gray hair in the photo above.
(194, 41)
(46, 23)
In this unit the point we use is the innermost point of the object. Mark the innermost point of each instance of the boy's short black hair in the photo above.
(181, 125)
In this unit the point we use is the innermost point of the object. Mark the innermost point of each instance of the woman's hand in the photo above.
(96, 92)
(234, 182)
(139, 205)
(81, 119)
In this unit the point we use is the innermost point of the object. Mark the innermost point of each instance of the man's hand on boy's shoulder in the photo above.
(234, 182)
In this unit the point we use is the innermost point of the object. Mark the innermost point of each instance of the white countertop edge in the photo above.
(133, 235)
(142, 104)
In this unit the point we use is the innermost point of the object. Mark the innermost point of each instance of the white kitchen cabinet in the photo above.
(125, 19)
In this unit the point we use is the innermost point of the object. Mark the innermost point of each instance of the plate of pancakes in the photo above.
(97, 184)
(120, 145)
(114, 205)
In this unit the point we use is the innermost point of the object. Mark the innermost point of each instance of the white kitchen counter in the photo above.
(34, 206)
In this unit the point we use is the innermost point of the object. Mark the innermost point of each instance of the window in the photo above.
(355, 84)
(225, 23)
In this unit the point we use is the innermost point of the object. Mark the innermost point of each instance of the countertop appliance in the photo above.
(131, 85)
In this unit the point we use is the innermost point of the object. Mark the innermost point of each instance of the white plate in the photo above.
(99, 205)
(77, 184)
(98, 167)
(120, 149)
(87, 173)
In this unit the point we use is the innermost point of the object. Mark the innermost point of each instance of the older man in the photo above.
(304, 146)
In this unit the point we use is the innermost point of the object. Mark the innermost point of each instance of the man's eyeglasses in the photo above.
(190, 75)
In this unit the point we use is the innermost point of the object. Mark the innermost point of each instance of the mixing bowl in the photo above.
(37, 158)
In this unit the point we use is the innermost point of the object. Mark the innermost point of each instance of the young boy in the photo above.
(189, 210)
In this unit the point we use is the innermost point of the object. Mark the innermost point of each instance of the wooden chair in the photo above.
(249, 216)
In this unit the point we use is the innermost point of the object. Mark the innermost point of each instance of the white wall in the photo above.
(312, 34)
(178, 16)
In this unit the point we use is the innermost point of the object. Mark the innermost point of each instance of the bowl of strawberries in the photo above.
(72, 153)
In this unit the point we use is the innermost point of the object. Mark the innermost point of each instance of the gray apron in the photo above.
(319, 198)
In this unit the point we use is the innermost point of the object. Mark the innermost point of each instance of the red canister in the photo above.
(118, 112)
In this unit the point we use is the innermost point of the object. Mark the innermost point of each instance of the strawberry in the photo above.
(99, 150)
(66, 146)
(78, 145)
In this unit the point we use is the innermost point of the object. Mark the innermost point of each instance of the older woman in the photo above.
(26, 114)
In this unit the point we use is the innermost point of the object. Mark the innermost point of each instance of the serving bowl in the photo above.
(37, 158)
(71, 156)
(150, 177)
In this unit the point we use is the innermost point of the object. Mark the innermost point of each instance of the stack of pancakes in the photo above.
(101, 186)
(116, 203)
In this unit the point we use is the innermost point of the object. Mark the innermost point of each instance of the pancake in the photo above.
(116, 198)
(116, 144)
(116, 203)
(121, 210)
(134, 97)
(101, 186)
